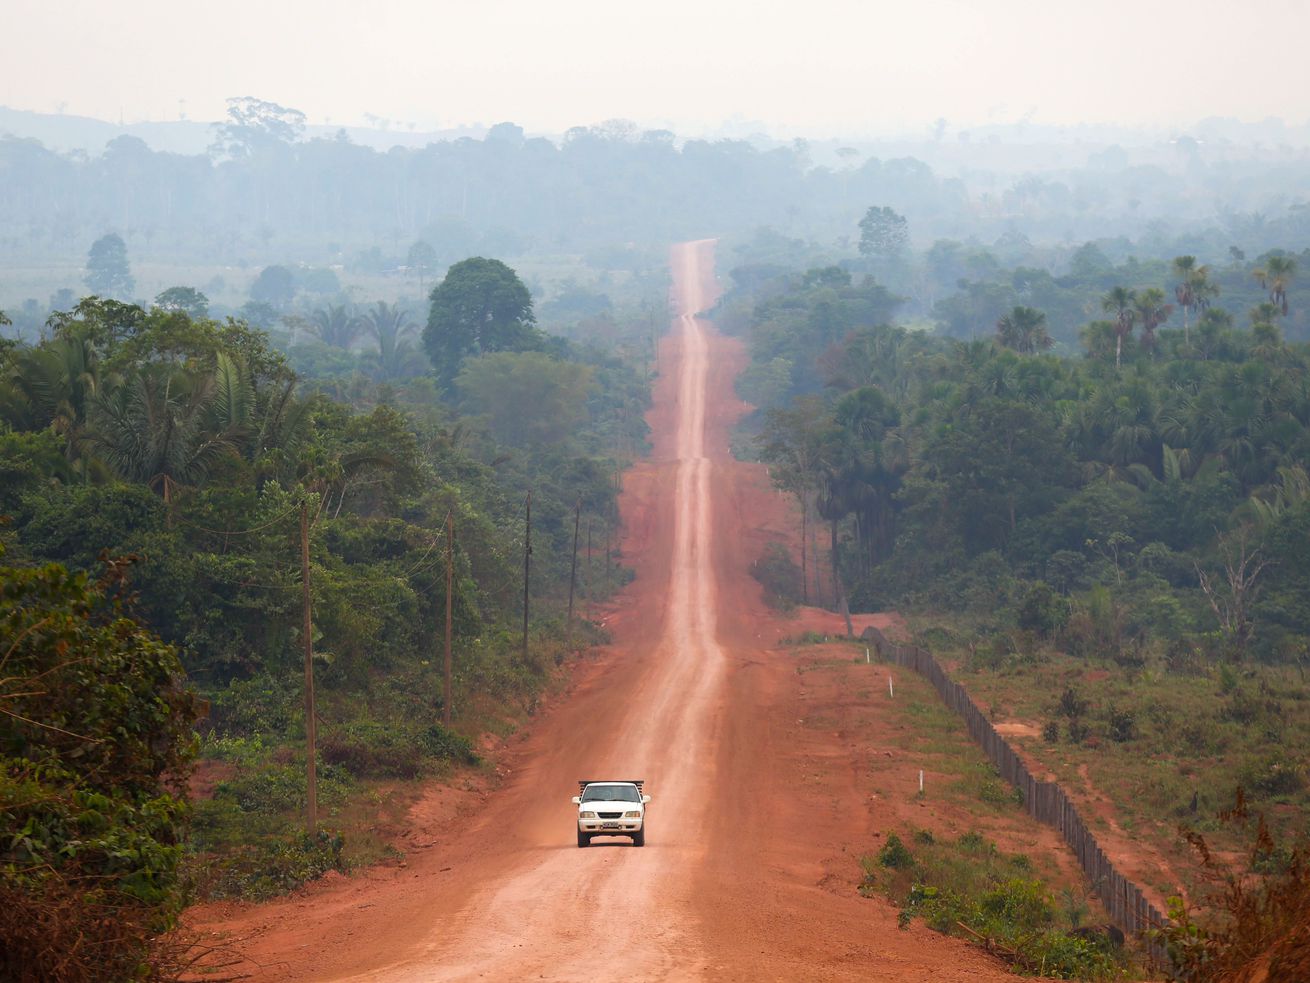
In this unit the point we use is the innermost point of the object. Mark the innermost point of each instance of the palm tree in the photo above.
(165, 427)
(336, 325)
(1193, 290)
(1151, 312)
(52, 386)
(1024, 330)
(1275, 276)
(1121, 302)
(389, 325)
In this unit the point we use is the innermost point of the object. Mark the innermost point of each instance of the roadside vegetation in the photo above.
(175, 456)
(970, 888)
(1090, 499)
(961, 854)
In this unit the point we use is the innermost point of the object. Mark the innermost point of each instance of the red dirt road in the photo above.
(751, 863)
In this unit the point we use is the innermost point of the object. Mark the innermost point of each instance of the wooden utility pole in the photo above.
(311, 735)
(590, 579)
(447, 698)
(527, 572)
(573, 570)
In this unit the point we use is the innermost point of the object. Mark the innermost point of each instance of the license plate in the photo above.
(609, 825)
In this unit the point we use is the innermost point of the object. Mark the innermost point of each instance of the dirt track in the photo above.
(750, 867)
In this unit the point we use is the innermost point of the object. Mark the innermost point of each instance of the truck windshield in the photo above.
(611, 793)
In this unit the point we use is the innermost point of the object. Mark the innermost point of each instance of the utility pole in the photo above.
(573, 570)
(447, 697)
(527, 572)
(311, 735)
(590, 579)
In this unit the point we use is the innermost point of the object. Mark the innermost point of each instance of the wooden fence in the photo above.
(1045, 801)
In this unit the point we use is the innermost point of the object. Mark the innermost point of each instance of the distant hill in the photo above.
(63, 133)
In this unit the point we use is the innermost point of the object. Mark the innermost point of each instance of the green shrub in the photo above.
(277, 866)
(780, 577)
(1121, 724)
(1042, 610)
(447, 745)
(1275, 774)
(1072, 703)
(895, 854)
(971, 883)
(92, 822)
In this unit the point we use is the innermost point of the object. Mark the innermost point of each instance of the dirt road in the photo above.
(751, 862)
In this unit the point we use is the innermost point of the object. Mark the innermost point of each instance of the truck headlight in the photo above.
(632, 815)
(587, 815)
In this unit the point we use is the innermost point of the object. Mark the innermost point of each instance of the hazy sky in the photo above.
(815, 66)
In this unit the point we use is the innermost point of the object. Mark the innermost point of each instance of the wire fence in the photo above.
(1045, 801)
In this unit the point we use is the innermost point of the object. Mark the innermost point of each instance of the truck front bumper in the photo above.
(611, 827)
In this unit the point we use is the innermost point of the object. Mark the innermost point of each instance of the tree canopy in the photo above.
(479, 308)
(107, 271)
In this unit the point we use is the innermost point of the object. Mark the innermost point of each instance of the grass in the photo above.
(969, 887)
(1164, 744)
(378, 744)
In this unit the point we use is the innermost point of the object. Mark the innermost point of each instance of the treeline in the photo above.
(171, 457)
(1148, 495)
(963, 288)
(266, 195)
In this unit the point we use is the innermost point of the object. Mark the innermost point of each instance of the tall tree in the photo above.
(422, 260)
(1275, 276)
(1121, 302)
(791, 443)
(255, 125)
(274, 286)
(883, 233)
(188, 300)
(1152, 312)
(480, 307)
(107, 271)
(1193, 291)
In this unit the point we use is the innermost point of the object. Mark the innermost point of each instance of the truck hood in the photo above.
(611, 807)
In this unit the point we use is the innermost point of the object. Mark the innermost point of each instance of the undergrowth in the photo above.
(970, 888)
(1249, 921)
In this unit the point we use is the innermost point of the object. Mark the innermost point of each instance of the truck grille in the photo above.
(610, 815)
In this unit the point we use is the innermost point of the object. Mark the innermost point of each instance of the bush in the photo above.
(1275, 774)
(1072, 704)
(1051, 731)
(895, 854)
(93, 826)
(272, 868)
(780, 577)
(1042, 610)
(1121, 724)
(446, 744)
(971, 883)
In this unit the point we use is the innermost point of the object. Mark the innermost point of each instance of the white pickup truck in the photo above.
(611, 809)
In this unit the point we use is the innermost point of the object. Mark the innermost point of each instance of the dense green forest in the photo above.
(171, 456)
(1138, 505)
(988, 472)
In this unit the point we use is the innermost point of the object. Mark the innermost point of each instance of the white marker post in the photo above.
(891, 690)
(867, 658)
(921, 781)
